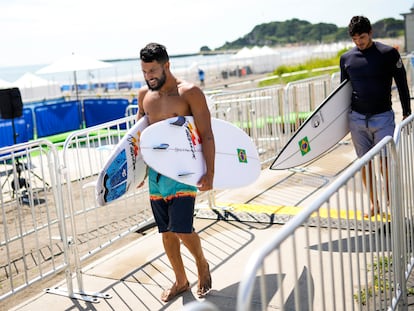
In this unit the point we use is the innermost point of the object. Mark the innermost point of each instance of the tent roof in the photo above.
(31, 80)
(73, 62)
(5, 84)
(255, 51)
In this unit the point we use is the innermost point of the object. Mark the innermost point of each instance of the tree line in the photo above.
(296, 31)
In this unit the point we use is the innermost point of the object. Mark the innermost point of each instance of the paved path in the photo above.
(135, 275)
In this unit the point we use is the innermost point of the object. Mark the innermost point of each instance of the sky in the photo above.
(42, 31)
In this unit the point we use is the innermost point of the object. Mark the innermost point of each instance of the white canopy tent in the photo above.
(4, 84)
(260, 59)
(34, 88)
(73, 63)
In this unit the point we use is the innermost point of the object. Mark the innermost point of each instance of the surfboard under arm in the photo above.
(173, 148)
(325, 127)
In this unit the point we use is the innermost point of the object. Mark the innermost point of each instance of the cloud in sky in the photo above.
(41, 31)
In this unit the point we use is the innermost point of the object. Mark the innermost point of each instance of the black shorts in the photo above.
(172, 203)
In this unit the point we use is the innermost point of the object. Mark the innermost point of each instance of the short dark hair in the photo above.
(359, 25)
(154, 52)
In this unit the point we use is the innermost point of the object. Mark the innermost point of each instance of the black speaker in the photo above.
(11, 105)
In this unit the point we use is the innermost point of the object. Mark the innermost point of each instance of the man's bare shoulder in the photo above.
(186, 87)
(143, 90)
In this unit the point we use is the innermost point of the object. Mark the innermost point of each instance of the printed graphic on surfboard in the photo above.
(173, 148)
(325, 127)
(124, 168)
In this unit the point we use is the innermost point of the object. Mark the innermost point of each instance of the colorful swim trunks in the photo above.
(172, 203)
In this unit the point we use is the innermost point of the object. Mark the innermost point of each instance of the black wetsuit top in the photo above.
(371, 72)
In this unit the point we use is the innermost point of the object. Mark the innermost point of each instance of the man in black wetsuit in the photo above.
(371, 66)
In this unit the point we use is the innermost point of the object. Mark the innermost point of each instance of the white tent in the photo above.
(4, 84)
(30, 80)
(330, 49)
(74, 63)
(34, 88)
(243, 53)
(260, 59)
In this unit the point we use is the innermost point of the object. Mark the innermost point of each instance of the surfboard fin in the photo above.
(180, 121)
(185, 174)
(161, 147)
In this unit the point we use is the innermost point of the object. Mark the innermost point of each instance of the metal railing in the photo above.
(94, 227)
(83, 229)
(404, 139)
(88, 228)
(33, 240)
(271, 115)
(331, 257)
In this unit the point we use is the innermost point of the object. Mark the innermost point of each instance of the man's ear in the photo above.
(167, 65)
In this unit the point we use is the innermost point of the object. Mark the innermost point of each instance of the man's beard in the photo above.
(160, 82)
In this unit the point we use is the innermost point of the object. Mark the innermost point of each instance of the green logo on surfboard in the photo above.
(304, 145)
(241, 153)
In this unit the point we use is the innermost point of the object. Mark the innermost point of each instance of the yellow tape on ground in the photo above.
(258, 208)
(294, 210)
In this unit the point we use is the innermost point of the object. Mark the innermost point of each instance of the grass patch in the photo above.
(382, 269)
(309, 69)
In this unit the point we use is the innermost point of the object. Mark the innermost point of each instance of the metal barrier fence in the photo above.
(258, 113)
(81, 227)
(404, 138)
(85, 229)
(131, 110)
(33, 240)
(93, 227)
(271, 115)
(331, 257)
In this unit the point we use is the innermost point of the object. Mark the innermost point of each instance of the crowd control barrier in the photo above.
(345, 261)
(56, 201)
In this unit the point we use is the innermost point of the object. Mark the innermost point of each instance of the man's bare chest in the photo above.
(166, 106)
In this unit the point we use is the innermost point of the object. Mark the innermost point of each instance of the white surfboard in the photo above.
(124, 168)
(173, 148)
(325, 127)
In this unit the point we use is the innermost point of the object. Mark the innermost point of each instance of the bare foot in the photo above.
(174, 291)
(204, 282)
(372, 213)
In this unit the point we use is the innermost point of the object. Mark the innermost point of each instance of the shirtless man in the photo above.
(172, 202)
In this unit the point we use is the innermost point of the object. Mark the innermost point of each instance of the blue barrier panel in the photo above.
(110, 86)
(66, 88)
(124, 85)
(57, 118)
(6, 131)
(83, 87)
(98, 111)
(136, 85)
(28, 117)
(44, 102)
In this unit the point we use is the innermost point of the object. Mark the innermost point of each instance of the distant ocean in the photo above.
(121, 70)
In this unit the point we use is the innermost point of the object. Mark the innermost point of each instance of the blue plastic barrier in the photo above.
(124, 85)
(66, 88)
(98, 111)
(57, 118)
(6, 131)
(28, 117)
(136, 85)
(110, 86)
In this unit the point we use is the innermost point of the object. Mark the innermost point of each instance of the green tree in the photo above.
(302, 32)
